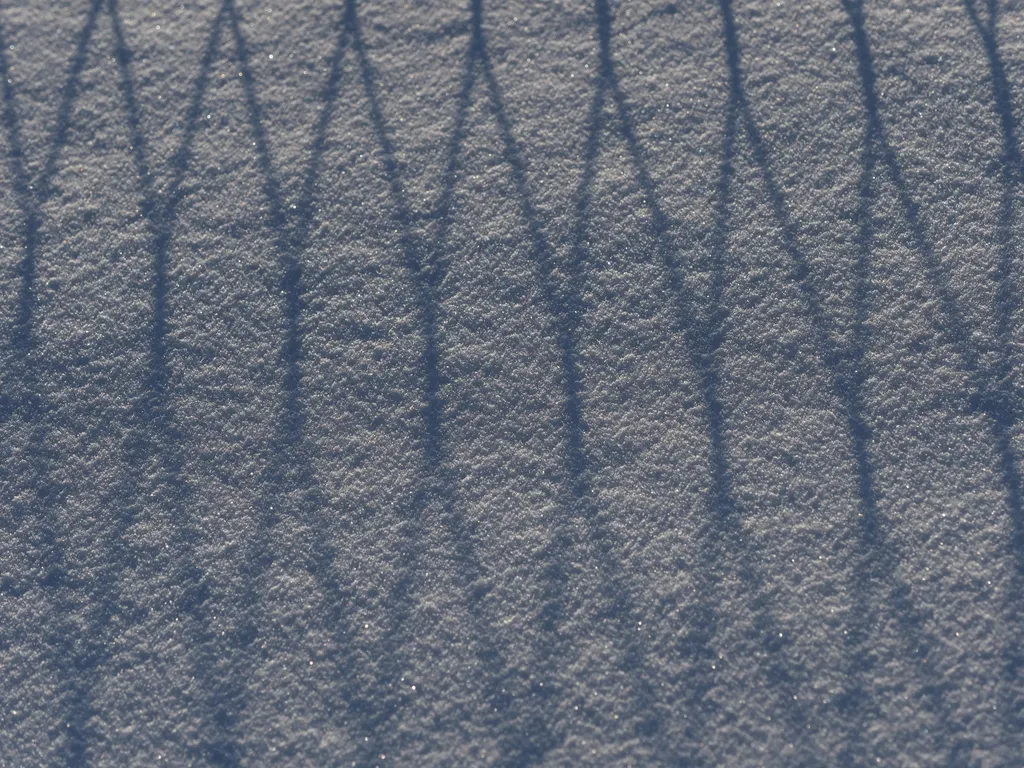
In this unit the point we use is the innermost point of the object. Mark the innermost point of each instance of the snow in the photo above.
(450, 383)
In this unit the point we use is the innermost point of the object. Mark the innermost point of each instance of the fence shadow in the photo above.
(846, 368)
(997, 394)
(225, 663)
(80, 653)
(527, 728)
(876, 579)
(152, 435)
(991, 393)
(152, 439)
(289, 483)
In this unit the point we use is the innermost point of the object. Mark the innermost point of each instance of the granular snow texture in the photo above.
(511, 383)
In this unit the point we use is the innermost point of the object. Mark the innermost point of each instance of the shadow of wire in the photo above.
(153, 436)
(876, 578)
(289, 484)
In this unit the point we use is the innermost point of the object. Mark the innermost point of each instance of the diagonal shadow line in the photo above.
(154, 436)
(1002, 95)
(75, 655)
(563, 320)
(846, 367)
(380, 709)
(63, 122)
(81, 667)
(990, 388)
(91, 647)
(84, 652)
(1011, 171)
(31, 197)
(619, 594)
(721, 537)
(291, 468)
(525, 734)
(998, 395)
(80, 653)
(992, 393)
(227, 696)
(877, 561)
(565, 307)
(873, 553)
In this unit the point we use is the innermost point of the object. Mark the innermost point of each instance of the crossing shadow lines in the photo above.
(289, 483)
(721, 537)
(876, 578)
(435, 488)
(997, 394)
(153, 440)
(562, 285)
(740, 122)
(157, 437)
(80, 653)
(990, 387)
(1011, 173)
(524, 729)
(563, 315)
(77, 655)
(875, 574)
(991, 391)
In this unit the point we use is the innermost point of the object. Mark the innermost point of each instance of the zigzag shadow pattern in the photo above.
(375, 707)
(525, 735)
(526, 723)
(76, 656)
(695, 645)
(991, 392)
(876, 580)
(990, 387)
(721, 537)
(152, 433)
(229, 661)
(155, 437)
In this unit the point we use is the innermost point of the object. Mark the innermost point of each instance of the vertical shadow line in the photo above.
(290, 467)
(876, 567)
(721, 536)
(988, 392)
(565, 308)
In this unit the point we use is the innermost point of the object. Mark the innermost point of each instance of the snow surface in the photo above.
(423, 383)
